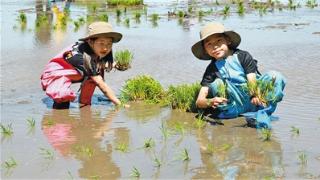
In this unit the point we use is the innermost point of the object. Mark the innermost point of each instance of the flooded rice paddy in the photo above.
(150, 141)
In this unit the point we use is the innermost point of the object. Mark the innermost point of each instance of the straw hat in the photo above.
(208, 30)
(102, 28)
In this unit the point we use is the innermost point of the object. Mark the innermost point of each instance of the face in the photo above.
(101, 46)
(217, 46)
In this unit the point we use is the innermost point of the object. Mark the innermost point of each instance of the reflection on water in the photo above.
(80, 138)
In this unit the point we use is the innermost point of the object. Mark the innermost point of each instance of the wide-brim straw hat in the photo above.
(102, 29)
(211, 29)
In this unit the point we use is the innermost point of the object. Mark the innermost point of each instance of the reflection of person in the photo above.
(233, 67)
(85, 62)
(80, 138)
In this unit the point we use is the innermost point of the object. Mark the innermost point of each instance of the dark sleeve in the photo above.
(85, 65)
(247, 62)
(209, 75)
(77, 62)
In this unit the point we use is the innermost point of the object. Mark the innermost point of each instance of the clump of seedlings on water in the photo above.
(47, 153)
(157, 162)
(295, 130)
(7, 130)
(137, 16)
(154, 19)
(179, 127)
(127, 22)
(211, 149)
(302, 156)
(241, 8)
(200, 122)
(122, 147)
(31, 122)
(149, 143)
(143, 88)
(183, 96)
(165, 131)
(311, 3)
(22, 18)
(135, 172)
(266, 134)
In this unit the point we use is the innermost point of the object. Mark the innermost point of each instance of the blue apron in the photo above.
(232, 74)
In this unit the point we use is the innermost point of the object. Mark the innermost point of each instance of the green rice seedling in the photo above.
(225, 147)
(93, 8)
(76, 25)
(217, 3)
(262, 10)
(184, 155)
(124, 2)
(157, 162)
(47, 153)
(179, 127)
(311, 3)
(263, 90)
(122, 147)
(104, 17)
(31, 122)
(164, 130)
(184, 96)
(123, 59)
(95, 177)
(181, 14)
(154, 17)
(241, 8)
(137, 16)
(9, 164)
(211, 149)
(22, 18)
(135, 172)
(266, 134)
(222, 90)
(85, 150)
(302, 157)
(127, 22)
(41, 20)
(81, 20)
(226, 10)
(143, 88)
(295, 130)
(292, 5)
(118, 12)
(201, 13)
(6, 131)
(149, 143)
(200, 122)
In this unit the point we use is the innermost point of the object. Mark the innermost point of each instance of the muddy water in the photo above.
(85, 141)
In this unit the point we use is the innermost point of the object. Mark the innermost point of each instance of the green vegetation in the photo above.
(211, 149)
(154, 17)
(183, 96)
(122, 147)
(6, 131)
(31, 122)
(181, 14)
(125, 2)
(302, 157)
(135, 172)
(263, 90)
(164, 130)
(200, 122)
(311, 3)
(22, 18)
(266, 134)
(137, 16)
(84, 150)
(295, 130)
(41, 20)
(118, 12)
(127, 22)
(222, 90)
(149, 143)
(241, 9)
(142, 87)
(157, 162)
(226, 10)
(104, 17)
(184, 155)
(9, 164)
(179, 127)
(47, 153)
(225, 147)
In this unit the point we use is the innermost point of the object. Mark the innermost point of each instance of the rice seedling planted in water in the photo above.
(164, 130)
(149, 143)
(9, 164)
(157, 162)
(137, 15)
(122, 147)
(295, 130)
(125, 2)
(210, 148)
(241, 8)
(154, 17)
(6, 131)
(179, 127)
(183, 96)
(142, 88)
(200, 122)
(181, 14)
(226, 10)
(266, 134)
(135, 172)
(31, 122)
(104, 17)
(127, 22)
(47, 153)
(302, 157)
(22, 18)
(184, 155)
(118, 12)
(311, 3)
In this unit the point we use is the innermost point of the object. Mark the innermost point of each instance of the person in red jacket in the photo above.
(84, 62)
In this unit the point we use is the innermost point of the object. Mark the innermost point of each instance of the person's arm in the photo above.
(107, 91)
(204, 102)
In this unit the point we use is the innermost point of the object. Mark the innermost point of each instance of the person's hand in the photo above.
(256, 101)
(121, 67)
(214, 102)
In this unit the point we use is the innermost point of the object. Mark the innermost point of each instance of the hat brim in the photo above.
(199, 51)
(116, 37)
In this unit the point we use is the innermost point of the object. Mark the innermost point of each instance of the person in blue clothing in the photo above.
(236, 69)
